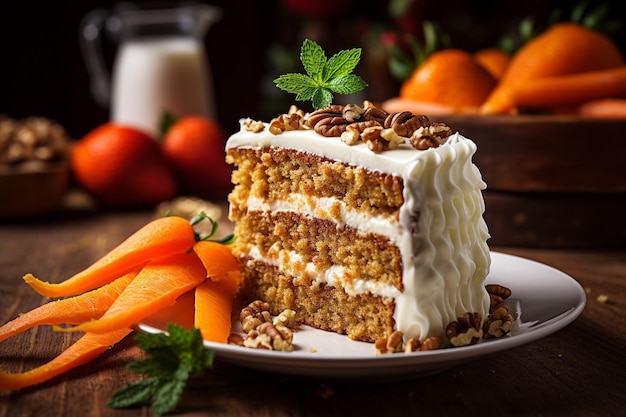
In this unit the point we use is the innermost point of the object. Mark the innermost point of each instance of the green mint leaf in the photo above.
(322, 98)
(313, 58)
(295, 83)
(168, 396)
(161, 363)
(306, 94)
(347, 84)
(342, 63)
(324, 76)
(134, 393)
(174, 359)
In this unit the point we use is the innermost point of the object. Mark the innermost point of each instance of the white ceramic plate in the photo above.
(544, 299)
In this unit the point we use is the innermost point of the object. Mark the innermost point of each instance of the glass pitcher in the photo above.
(160, 65)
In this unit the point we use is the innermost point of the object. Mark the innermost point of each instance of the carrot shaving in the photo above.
(74, 310)
(213, 307)
(161, 237)
(181, 312)
(214, 297)
(82, 351)
(216, 258)
(157, 286)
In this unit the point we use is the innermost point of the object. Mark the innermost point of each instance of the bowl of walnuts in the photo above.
(34, 167)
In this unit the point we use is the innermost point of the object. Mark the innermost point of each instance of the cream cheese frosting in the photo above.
(441, 232)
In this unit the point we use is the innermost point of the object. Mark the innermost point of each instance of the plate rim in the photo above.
(306, 363)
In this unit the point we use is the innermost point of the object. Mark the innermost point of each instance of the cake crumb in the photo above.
(602, 298)
(313, 350)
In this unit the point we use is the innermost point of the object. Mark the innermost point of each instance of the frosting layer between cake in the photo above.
(439, 229)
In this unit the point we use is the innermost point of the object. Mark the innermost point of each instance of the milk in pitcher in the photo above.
(157, 75)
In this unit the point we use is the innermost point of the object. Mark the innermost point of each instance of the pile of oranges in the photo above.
(122, 166)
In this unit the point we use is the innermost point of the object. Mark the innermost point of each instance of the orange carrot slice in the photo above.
(214, 297)
(163, 236)
(82, 351)
(216, 258)
(157, 286)
(181, 312)
(74, 310)
(213, 307)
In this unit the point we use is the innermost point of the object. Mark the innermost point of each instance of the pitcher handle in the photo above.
(90, 37)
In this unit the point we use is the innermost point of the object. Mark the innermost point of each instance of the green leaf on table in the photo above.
(323, 76)
(174, 360)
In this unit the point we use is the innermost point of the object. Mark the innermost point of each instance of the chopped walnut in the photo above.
(256, 313)
(394, 343)
(499, 290)
(351, 136)
(390, 344)
(430, 136)
(374, 113)
(286, 318)
(405, 123)
(498, 324)
(394, 139)
(430, 343)
(270, 337)
(253, 126)
(465, 330)
(286, 122)
(352, 112)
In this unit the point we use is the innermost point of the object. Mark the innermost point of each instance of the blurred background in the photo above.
(43, 72)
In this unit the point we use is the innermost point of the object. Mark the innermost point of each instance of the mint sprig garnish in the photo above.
(175, 359)
(323, 76)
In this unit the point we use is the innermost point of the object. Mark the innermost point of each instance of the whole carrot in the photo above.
(608, 108)
(82, 351)
(571, 89)
(74, 310)
(160, 237)
(565, 48)
(157, 286)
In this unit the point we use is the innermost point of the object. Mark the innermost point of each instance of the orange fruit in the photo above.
(194, 145)
(450, 77)
(494, 60)
(122, 167)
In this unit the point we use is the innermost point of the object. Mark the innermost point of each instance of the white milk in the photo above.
(155, 75)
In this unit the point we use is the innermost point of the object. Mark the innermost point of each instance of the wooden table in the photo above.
(579, 370)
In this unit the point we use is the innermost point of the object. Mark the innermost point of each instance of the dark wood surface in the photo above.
(579, 370)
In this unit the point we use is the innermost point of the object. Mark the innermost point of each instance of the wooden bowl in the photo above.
(552, 181)
(32, 189)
